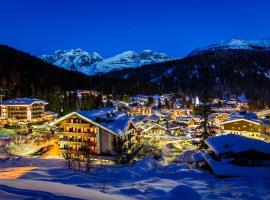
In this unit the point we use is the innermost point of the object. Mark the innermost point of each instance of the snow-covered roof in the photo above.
(236, 144)
(109, 119)
(250, 117)
(23, 101)
(185, 119)
(138, 118)
(148, 126)
(153, 118)
(173, 126)
(197, 157)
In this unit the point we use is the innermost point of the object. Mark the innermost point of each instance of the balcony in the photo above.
(77, 124)
(90, 134)
(76, 142)
(80, 151)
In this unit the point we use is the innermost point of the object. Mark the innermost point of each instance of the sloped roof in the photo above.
(147, 126)
(236, 144)
(109, 119)
(23, 101)
(138, 118)
(153, 118)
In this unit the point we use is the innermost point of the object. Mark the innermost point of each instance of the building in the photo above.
(152, 132)
(234, 155)
(263, 113)
(217, 118)
(181, 112)
(248, 126)
(22, 110)
(140, 110)
(189, 121)
(95, 134)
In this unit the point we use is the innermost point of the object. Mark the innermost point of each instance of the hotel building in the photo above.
(22, 109)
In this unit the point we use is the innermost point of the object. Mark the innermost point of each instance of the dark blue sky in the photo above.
(174, 27)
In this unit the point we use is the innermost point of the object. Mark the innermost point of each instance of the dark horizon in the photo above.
(110, 27)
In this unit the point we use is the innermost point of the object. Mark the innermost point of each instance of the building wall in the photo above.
(140, 111)
(155, 133)
(243, 128)
(107, 142)
(23, 112)
(18, 112)
(76, 136)
(37, 110)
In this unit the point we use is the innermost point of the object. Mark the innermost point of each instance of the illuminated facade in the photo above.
(98, 134)
(22, 109)
(140, 111)
(247, 127)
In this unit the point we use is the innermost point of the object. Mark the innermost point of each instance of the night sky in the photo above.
(109, 27)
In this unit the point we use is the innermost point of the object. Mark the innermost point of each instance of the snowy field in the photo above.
(50, 179)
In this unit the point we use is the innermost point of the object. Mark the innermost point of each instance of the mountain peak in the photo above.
(92, 63)
(263, 44)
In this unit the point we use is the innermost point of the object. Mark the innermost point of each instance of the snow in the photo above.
(225, 168)
(197, 157)
(147, 179)
(263, 44)
(109, 118)
(236, 144)
(93, 63)
(22, 101)
(58, 189)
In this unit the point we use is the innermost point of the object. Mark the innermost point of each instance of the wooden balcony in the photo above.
(90, 134)
(76, 142)
(79, 125)
(79, 151)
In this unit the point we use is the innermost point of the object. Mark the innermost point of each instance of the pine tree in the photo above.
(204, 110)
(150, 101)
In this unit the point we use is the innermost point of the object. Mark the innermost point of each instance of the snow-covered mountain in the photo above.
(235, 44)
(93, 63)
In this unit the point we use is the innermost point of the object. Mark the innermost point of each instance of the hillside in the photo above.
(24, 75)
(222, 72)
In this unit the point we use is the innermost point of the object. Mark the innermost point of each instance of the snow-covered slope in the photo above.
(93, 63)
(235, 44)
(146, 179)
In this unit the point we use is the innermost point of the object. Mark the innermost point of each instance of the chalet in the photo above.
(180, 112)
(152, 132)
(98, 134)
(246, 125)
(235, 155)
(217, 118)
(176, 129)
(140, 110)
(24, 110)
(186, 121)
(189, 121)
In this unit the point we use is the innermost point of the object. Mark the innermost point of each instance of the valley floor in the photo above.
(147, 179)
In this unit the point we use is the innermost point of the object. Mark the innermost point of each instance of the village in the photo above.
(157, 126)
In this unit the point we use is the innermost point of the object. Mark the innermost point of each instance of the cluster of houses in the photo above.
(105, 133)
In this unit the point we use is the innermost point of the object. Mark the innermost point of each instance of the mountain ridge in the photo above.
(93, 63)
